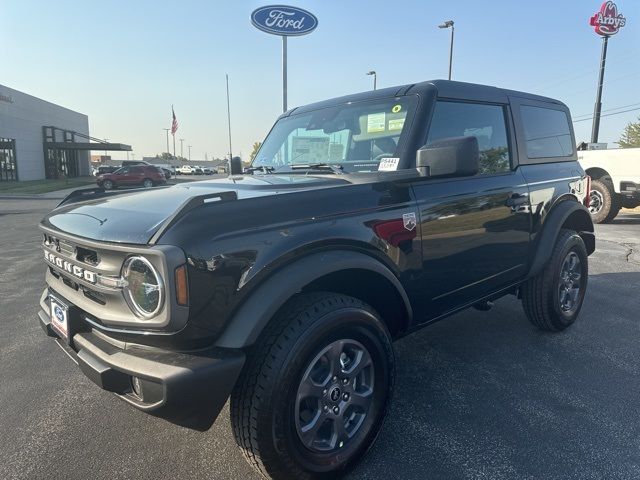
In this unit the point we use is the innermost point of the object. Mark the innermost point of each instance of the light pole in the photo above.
(105, 141)
(167, 130)
(181, 141)
(375, 78)
(449, 24)
(189, 152)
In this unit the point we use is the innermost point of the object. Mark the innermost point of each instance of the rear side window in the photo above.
(136, 170)
(547, 132)
(485, 122)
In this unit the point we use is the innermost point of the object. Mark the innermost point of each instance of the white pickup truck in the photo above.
(615, 180)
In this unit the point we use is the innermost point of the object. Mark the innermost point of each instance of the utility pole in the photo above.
(181, 142)
(167, 130)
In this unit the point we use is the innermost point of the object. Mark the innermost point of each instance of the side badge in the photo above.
(409, 220)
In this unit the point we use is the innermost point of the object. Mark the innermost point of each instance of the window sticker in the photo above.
(376, 122)
(388, 164)
(396, 123)
(309, 149)
(396, 108)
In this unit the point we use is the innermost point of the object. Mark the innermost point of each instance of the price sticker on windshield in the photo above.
(388, 164)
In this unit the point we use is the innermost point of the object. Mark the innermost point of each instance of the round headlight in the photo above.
(144, 289)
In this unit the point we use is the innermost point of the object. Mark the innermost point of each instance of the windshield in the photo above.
(354, 136)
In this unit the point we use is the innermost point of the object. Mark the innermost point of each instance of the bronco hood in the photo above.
(134, 216)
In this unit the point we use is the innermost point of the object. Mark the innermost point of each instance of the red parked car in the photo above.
(145, 175)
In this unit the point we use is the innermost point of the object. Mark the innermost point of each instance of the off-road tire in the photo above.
(261, 401)
(541, 298)
(610, 201)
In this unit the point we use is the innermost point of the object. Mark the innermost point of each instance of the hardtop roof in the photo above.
(443, 88)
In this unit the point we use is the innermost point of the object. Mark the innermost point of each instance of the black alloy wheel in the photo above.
(570, 283)
(334, 396)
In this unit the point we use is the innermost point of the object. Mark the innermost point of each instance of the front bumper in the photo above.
(188, 389)
(630, 193)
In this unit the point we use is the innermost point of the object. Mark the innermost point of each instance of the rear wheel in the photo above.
(552, 299)
(147, 183)
(315, 389)
(604, 204)
(108, 185)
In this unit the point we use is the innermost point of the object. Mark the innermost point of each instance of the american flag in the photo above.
(174, 124)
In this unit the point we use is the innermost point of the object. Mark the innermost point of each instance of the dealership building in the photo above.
(39, 139)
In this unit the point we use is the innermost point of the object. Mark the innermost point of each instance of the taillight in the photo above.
(587, 197)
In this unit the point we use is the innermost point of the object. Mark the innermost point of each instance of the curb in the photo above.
(28, 197)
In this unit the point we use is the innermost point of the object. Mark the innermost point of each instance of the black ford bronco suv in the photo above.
(360, 220)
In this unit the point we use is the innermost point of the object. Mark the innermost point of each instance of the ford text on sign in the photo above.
(284, 20)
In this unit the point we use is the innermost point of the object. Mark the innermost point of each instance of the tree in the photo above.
(630, 137)
(256, 147)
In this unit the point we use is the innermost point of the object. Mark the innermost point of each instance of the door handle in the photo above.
(517, 199)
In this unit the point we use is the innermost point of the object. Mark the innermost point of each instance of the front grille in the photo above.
(87, 256)
(74, 252)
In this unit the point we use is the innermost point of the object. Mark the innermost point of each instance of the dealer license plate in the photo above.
(59, 317)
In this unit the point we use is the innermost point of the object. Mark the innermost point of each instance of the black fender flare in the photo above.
(254, 314)
(570, 213)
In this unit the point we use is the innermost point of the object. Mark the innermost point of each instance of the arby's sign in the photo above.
(607, 21)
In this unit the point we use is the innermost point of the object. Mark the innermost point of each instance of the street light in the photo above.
(449, 24)
(189, 152)
(375, 78)
(181, 141)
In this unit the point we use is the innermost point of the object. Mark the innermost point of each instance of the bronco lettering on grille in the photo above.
(69, 267)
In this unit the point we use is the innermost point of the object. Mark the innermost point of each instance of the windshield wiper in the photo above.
(259, 168)
(337, 169)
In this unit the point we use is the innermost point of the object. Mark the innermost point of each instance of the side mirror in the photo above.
(455, 156)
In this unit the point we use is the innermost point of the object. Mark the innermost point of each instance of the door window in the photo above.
(485, 122)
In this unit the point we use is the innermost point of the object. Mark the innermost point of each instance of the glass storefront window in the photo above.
(8, 165)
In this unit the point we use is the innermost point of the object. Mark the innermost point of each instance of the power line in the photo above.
(607, 114)
(583, 72)
(607, 110)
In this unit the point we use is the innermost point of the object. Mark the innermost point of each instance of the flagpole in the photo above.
(174, 145)
(229, 122)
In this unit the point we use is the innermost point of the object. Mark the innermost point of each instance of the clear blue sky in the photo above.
(125, 62)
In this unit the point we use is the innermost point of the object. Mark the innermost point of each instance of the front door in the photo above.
(474, 231)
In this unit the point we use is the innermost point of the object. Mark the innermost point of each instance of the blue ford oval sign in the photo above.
(284, 20)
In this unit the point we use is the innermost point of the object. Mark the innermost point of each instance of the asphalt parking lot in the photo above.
(480, 395)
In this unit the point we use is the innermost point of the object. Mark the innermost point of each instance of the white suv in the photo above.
(185, 170)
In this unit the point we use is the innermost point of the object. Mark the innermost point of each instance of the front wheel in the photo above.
(108, 185)
(315, 390)
(147, 183)
(552, 299)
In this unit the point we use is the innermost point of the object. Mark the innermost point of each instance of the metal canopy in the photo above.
(121, 147)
